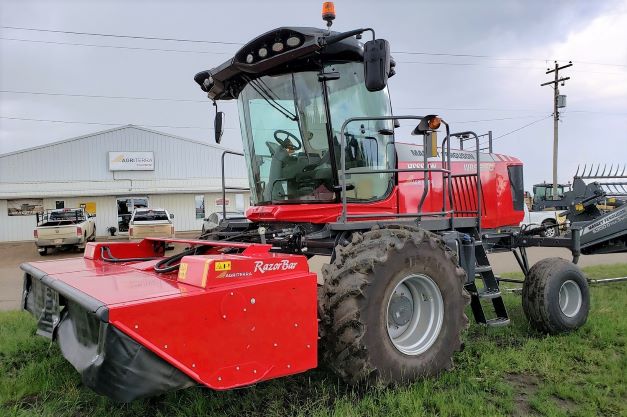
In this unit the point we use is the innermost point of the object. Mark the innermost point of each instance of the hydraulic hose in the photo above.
(162, 267)
(165, 265)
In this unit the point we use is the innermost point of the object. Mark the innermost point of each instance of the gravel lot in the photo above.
(13, 254)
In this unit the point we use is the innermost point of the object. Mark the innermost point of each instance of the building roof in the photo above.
(81, 166)
(132, 126)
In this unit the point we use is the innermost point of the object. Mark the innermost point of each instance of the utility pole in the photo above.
(556, 114)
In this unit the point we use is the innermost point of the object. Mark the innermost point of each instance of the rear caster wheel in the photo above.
(555, 296)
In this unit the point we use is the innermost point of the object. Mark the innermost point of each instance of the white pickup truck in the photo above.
(63, 229)
(547, 219)
(150, 222)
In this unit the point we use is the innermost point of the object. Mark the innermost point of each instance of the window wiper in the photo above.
(267, 96)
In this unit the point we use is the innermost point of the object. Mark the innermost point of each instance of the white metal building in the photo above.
(111, 172)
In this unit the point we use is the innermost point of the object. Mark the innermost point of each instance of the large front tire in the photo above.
(393, 305)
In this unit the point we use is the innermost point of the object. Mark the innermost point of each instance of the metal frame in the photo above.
(224, 187)
(488, 135)
(45, 216)
(445, 171)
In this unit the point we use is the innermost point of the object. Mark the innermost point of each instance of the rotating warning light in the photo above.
(328, 12)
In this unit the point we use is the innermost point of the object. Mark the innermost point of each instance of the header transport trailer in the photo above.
(405, 225)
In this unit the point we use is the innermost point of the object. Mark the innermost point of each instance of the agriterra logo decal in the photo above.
(122, 158)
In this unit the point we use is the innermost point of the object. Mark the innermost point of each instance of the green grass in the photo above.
(503, 371)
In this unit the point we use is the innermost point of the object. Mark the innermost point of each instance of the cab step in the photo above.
(489, 291)
(488, 294)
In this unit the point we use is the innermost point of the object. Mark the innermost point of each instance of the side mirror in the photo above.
(376, 64)
(171, 216)
(218, 126)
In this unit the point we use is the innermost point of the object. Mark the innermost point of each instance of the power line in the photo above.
(522, 127)
(492, 57)
(493, 120)
(140, 48)
(203, 127)
(113, 46)
(455, 55)
(516, 130)
(106, 124)
(111, 35)
(173, 99)
(104, 96)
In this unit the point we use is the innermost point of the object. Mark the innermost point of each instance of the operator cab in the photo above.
(295, 87)
(543, 192)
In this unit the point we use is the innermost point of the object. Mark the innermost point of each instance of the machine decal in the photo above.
(223, 266)
(284, 265)
(235, 275)
(605, 222)
(182, 271)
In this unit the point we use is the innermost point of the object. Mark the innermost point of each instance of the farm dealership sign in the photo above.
(131, 161)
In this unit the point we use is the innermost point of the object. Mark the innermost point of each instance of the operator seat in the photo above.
(279, 156)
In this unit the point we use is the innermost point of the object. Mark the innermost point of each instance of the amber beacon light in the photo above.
(328, 12)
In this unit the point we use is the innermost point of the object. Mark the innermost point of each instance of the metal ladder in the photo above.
(490, 291)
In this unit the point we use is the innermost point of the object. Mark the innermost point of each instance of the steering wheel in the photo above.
(286, 143)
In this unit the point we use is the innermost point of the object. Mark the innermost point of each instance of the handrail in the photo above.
(224, 187)
(478, 173)
(446, 172)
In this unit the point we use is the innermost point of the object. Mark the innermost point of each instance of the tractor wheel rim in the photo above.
(415, 312)
(570, 298)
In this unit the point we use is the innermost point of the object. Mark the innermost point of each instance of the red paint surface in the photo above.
(497, 207)
(242, 327)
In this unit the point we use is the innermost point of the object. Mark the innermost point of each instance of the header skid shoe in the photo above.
(222, 320)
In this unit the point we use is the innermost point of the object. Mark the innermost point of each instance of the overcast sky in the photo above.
(517, 40)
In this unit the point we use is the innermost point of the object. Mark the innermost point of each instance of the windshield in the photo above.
(65, 214)
(284, 126)
(150, 215)
(545, 192)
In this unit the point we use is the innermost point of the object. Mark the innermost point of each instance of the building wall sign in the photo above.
(131, 161)
(25, 207)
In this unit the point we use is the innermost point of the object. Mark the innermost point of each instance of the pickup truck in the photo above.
(545, 220)
(150, 222)
(63, 229)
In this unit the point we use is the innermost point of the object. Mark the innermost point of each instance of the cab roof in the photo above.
(227, 80)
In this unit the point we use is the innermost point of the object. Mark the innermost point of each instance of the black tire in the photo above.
(551, 229)
(357, 286)
(541, 296)
(43, 252)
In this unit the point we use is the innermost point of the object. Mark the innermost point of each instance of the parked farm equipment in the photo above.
(405, 225)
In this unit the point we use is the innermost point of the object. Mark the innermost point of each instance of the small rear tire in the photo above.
(555, 296)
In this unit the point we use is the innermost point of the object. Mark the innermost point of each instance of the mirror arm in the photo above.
(329, 40)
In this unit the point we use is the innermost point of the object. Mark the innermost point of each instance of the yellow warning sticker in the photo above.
(223, 266)
(182, 271)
